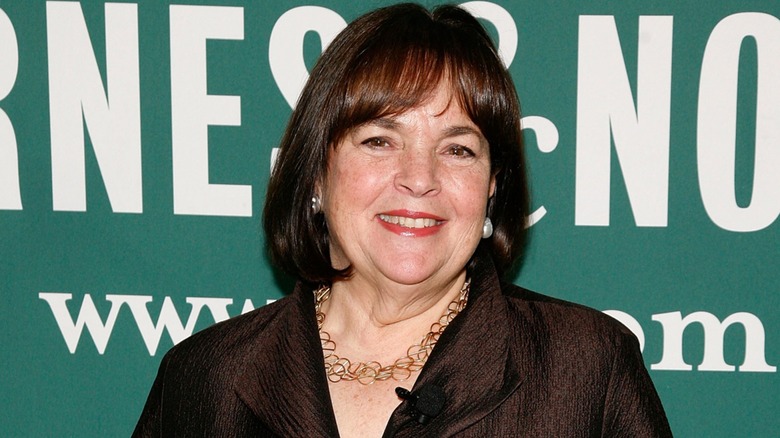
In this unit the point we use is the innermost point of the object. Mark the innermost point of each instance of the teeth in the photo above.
(409, 222)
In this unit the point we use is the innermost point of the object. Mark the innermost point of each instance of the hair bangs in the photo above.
(389, 81)
(402, 65)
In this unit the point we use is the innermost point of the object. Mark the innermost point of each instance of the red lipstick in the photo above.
(422, 224)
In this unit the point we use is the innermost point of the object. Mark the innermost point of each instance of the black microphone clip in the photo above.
(427, 401)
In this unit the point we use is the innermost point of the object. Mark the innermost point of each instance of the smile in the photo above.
(409, 222)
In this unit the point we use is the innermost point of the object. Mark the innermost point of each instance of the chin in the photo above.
(410, 273)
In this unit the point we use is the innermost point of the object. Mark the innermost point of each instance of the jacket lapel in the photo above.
(479, 361)
(476, 361)
(283, 382)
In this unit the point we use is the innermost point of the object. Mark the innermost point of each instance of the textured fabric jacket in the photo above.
(513, 364)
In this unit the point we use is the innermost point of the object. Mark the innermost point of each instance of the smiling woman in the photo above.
(399, 201)
(382, 66)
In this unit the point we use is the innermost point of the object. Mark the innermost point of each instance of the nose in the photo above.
(417, 174)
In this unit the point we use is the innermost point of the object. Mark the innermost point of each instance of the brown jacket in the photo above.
(513, 364)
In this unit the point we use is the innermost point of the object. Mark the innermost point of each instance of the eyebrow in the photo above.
(455, 131)
(384, 122)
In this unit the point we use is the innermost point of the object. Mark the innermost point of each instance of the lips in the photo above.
(411, 223)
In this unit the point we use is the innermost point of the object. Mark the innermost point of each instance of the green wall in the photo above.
(136, 141)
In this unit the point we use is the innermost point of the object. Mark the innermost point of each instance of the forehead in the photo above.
(441, 108)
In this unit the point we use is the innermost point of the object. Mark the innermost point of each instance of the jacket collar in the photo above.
(476, 362)
(283, 382)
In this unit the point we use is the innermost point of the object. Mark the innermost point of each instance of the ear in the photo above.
(492, 190)
(318, 192)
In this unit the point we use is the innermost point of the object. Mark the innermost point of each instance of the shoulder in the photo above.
(569, 326)
(230, 340)
(196, 381)
(584, 359)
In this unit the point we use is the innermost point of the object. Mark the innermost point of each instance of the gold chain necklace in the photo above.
(340, 368)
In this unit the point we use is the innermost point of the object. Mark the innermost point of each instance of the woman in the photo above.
(399, 201)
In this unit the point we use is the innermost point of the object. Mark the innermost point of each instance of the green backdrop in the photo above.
(136, 141)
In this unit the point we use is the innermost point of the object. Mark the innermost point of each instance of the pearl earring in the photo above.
(487, 228)
(316, 204)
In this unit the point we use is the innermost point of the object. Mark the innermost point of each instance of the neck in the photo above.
(380, 305)
(370, 323)
(367, 372)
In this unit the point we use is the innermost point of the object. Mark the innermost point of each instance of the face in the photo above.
(405, 196)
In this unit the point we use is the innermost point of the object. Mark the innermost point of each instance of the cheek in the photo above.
(471, 191)
(352, 184)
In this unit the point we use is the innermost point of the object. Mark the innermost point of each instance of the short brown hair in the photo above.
(383, 63)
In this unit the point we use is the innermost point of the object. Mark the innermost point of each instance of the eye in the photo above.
(460, 151)
(375, 142)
